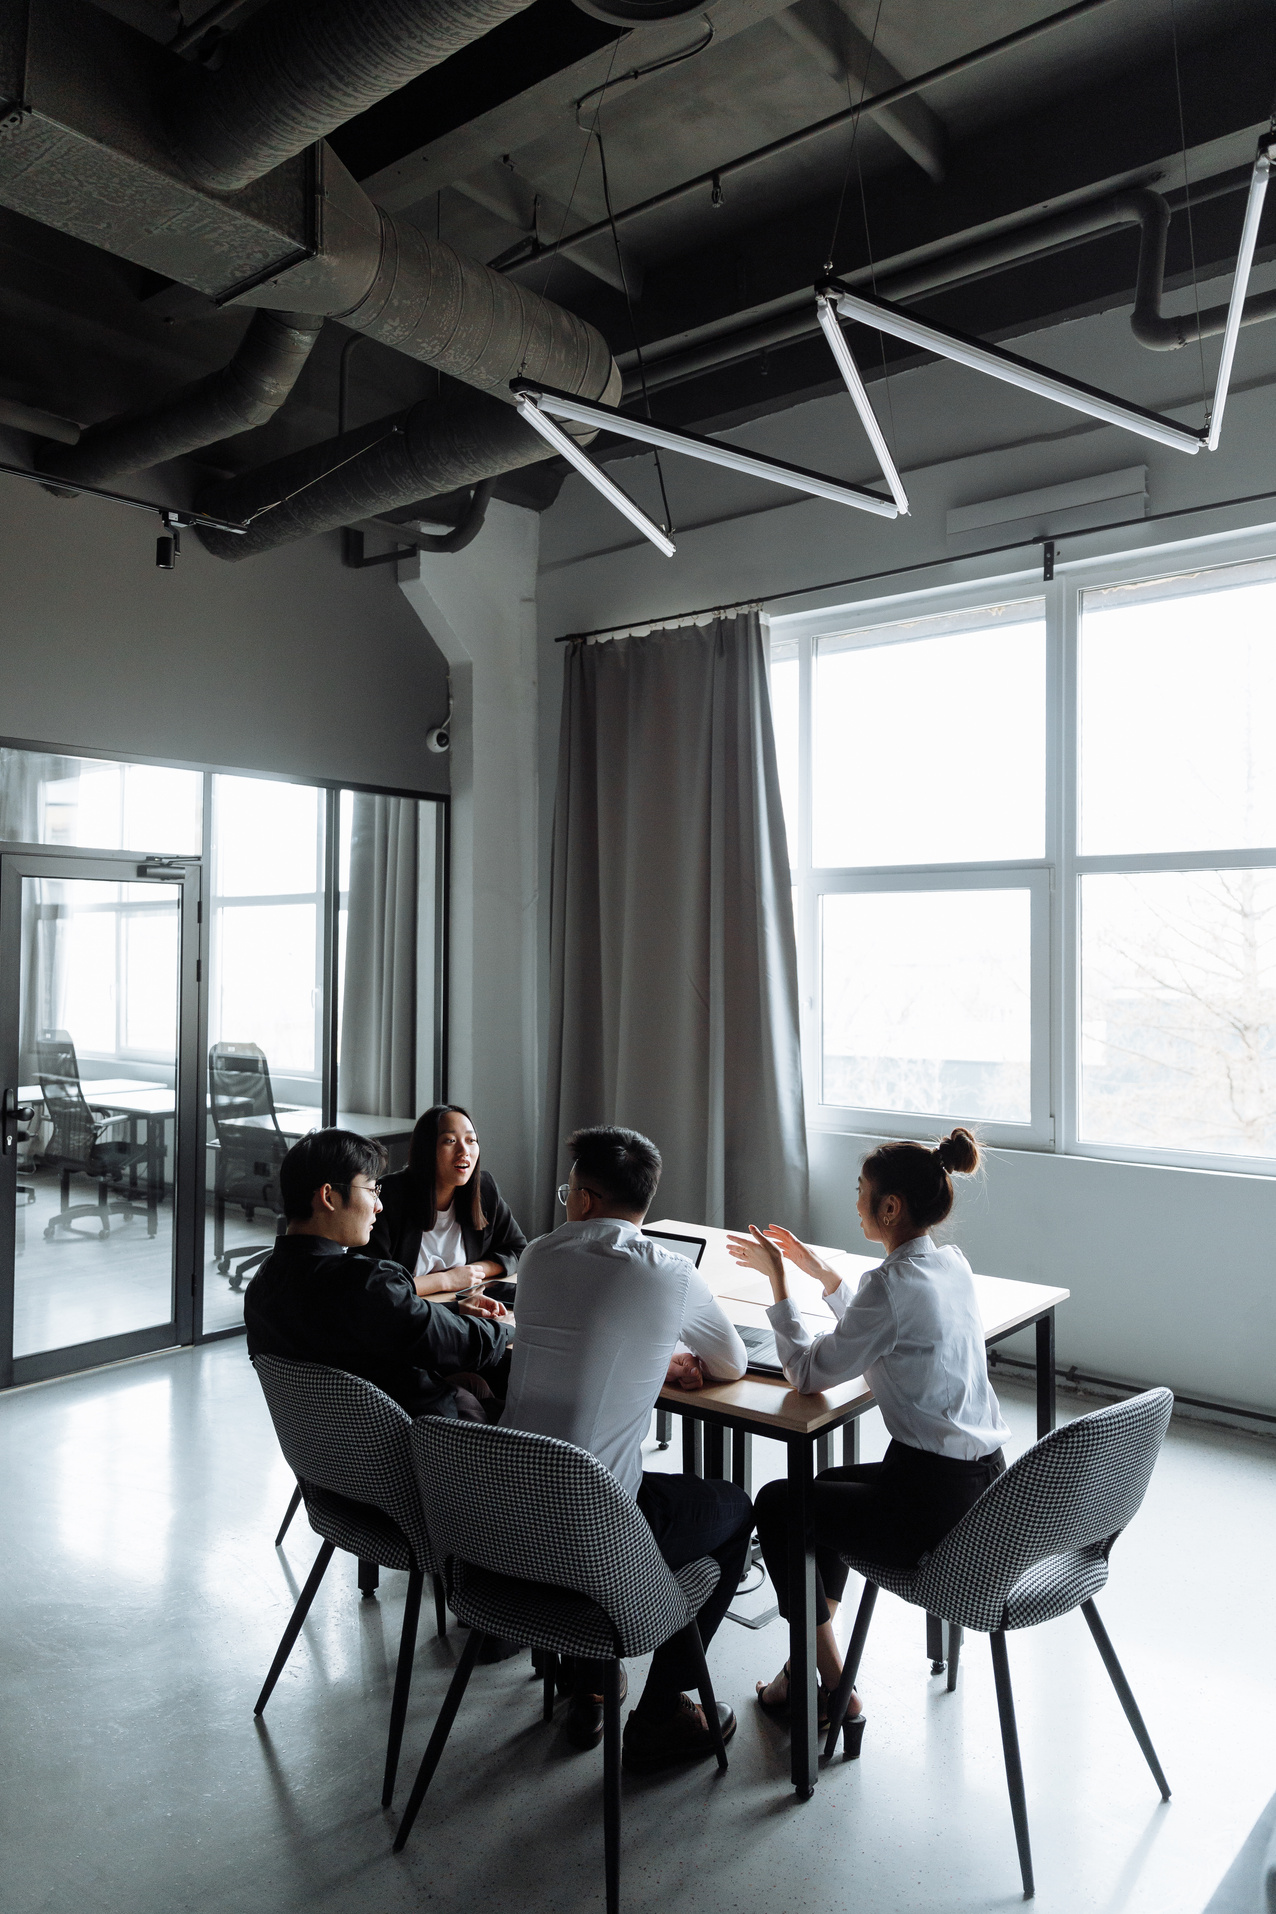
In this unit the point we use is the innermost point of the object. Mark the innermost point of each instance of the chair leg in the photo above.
(850, 1668)
(1125, 1696)
(402, 1683)
(708, 1700)
(440, 1608)
(954, 1654)
(369, 1578)
(549, 1673)
(286, 1524)
(611, 1779)
(293, 1629)
(438, 1740)
(1010, 1748)
(935, 1643)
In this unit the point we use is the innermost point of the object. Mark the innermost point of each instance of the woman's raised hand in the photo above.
(803, 1258)
(755, 1252)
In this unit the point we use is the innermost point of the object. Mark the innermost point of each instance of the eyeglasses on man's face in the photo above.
(565, 1190)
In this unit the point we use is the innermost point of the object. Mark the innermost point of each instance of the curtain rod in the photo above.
(673, 620)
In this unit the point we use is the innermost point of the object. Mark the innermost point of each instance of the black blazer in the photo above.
(397, 1231)
(311, 1301)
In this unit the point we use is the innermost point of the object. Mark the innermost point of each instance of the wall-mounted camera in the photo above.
(440, 739)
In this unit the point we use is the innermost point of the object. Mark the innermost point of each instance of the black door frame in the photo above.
(18, 861)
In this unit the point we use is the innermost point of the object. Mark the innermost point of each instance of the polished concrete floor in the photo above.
(143, 1599)
(78, 1286)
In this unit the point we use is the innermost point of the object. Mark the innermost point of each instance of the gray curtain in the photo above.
(378, 1017)
(673, 970)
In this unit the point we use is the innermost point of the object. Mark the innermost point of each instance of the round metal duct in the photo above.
(633, 13)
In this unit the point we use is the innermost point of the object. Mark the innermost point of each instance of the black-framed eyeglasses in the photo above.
(345, 1189)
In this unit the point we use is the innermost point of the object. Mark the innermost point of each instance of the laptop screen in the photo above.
(692, 1247)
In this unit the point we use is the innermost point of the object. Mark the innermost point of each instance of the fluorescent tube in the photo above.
(531, 411)
(693, 446)
(850, 372)
(1008, 366)
(1240, 284)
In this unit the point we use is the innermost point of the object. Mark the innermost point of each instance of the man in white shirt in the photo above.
(601, 1311)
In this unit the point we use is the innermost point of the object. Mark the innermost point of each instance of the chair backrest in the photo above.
(58, 1069)
(75, 1129)
(541, 1510)
(1076, 1488)
(239, 1084)
(342, 1433)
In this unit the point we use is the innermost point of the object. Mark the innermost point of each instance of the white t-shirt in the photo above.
(601, 1309)
(442, 1247)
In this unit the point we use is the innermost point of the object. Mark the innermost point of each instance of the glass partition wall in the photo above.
(204, 966)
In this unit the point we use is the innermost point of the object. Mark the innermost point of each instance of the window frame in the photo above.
(1054, 880)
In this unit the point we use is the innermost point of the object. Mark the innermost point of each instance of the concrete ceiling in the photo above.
(499, 149)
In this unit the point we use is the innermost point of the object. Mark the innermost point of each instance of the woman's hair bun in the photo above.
(959, 1152)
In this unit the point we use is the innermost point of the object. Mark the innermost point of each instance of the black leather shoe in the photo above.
(682, 1736)
(583, 1722)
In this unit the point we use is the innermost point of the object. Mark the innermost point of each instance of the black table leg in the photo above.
(823, 1453)
(715, 1458)
(664, 1426)
(692, 1445)
(1045, 1374)
(851, 1443)
(742, 1460)
(804, 1754)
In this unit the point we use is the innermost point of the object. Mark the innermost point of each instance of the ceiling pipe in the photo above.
(409, 539)
(529, 250)
(298, 69)
(727, 342)
(246, 392)
(439, 445)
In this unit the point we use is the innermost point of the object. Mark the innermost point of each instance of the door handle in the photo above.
(11, 1114)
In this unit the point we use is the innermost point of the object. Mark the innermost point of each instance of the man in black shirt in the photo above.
(317, 1298)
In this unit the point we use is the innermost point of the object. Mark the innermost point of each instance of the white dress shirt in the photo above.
(442, 1247)
(913, 1330)
(601, 1309)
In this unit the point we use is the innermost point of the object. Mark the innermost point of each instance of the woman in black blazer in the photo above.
(443, 1219)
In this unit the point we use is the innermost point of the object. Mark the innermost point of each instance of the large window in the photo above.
(913, 765)
(1033, 843)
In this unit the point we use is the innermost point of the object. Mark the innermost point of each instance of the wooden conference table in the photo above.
(766, 1406)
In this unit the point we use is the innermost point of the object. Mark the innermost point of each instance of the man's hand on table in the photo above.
(485, 1306)
(685, 1372)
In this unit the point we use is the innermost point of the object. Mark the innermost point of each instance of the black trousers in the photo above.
(689, 1517)
(892, 1512)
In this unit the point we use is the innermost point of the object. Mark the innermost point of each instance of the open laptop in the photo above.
(759, 1343)
(692, 1247)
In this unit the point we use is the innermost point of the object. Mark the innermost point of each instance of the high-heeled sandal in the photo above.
(823, 1696)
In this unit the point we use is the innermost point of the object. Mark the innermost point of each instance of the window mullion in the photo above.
(1066, 1020)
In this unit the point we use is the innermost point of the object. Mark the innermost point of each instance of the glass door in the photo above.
(99, 976)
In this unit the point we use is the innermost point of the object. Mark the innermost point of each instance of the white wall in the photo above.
(479, 606)
(287, 662)
(1172, 1272)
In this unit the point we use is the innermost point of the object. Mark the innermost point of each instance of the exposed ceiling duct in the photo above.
(438, 446)
(246, 392)
(305, 239)
(298, 69)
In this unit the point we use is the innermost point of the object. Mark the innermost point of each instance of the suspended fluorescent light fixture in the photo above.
(831, 327)
(1010, 368)
(1240, 284)
(561, 442)
(537, 403)
(833, 300)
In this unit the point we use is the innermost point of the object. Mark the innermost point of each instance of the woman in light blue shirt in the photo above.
(912, 1329)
